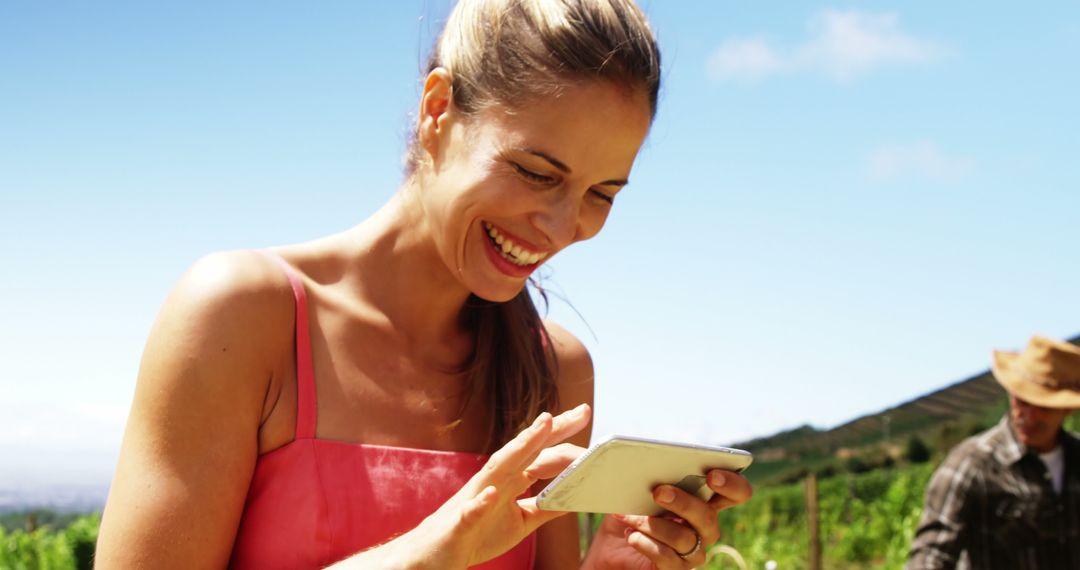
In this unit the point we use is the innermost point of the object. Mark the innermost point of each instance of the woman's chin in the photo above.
(498, 294)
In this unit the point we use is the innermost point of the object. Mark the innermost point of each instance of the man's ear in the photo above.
(435, 110)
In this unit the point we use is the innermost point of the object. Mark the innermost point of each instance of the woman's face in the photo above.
(510, 189)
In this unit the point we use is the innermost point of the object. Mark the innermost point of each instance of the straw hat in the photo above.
(1046, 373)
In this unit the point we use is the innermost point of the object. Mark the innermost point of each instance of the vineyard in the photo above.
(941, 419)
(866, 521)
(869, 496)
(46, 548)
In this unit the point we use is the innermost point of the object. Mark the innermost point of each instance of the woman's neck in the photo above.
(403, 276)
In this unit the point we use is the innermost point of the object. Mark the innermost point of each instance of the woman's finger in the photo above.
(553, 460)
(731, 489)
(535, 516)
(661, 555)
(523, 449)
(520, 452)
(569, 423)
(678, 537)
(697, 513)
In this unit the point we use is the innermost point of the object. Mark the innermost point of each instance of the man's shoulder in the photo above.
(1071, 442)
(978, 449)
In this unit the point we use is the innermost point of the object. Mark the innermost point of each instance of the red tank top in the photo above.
(313, 502)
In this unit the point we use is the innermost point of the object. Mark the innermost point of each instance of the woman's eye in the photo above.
(530, 175)
(605, 197)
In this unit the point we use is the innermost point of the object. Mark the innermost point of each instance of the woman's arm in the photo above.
(557, 541)
(191, 439)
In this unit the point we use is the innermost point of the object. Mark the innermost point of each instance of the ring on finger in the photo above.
(697, 546)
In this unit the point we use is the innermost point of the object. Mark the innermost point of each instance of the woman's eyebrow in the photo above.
(554, 161)
(566, 169)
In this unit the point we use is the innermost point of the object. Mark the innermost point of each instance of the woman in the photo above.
(338, 402)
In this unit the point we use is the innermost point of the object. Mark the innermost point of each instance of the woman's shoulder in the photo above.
(204, 389)
(236, 275)
(573, 365)
(240, 299)
(569, 351)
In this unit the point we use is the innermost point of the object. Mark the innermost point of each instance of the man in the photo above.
(1009, 497)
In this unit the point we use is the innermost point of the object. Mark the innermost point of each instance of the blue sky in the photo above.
(841, 206)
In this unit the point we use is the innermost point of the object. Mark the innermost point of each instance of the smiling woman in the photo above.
(385, 397)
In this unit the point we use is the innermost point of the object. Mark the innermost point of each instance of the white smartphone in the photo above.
(618, 473)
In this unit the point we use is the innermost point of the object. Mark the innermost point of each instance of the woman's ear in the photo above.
(435, 109)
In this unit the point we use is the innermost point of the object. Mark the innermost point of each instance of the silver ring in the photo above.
(692, 551)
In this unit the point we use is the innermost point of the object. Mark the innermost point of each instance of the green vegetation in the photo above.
(872, 475)
(916, 451)
(868, 505)
(51, 548)
(866, 520)
(875, 441)
(33, 519)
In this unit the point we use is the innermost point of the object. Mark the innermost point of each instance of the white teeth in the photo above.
(511, 251)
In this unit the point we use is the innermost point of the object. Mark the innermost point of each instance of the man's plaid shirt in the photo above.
(991, 505)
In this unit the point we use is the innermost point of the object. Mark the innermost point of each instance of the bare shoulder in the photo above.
(228, 301)
(572, 358)
(574, 369)
(191, 439)
(232, 280)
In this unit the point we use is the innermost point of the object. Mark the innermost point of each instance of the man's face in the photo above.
(1036, 427)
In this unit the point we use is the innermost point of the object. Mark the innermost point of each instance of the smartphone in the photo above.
(618, 473)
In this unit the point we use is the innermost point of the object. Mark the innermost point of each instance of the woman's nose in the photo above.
(559, 220)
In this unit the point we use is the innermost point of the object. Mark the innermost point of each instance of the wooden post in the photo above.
(812, 521)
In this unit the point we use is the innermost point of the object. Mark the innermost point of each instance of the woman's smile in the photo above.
(511, 255)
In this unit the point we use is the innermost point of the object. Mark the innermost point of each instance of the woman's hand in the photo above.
(677, 541)
(486, 518)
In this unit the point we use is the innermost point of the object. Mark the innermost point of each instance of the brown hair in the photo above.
(507, 53)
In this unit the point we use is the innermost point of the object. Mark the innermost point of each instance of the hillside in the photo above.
(938, 419)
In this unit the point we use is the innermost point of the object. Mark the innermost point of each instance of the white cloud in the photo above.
(751, 58)
(920, 160)
(843, 44)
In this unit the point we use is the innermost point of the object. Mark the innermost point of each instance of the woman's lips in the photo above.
(502, 259)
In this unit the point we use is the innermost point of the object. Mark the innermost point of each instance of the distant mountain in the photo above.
(53, 478)
(58, 497)
(941, 418)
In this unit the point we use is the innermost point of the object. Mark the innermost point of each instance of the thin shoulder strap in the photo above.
(305, 371)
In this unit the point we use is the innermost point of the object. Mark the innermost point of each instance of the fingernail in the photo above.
(580, 410)
(539, 421)
(666, 495)
(618, 517)
(626, 533)
(717, 479)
